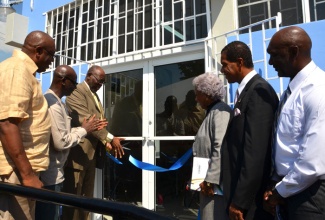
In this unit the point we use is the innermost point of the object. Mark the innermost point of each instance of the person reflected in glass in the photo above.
(191, 114)
(127, 115)
(209, 93)
(167, 123)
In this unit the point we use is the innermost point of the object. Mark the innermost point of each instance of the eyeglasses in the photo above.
(73, 82)
(98, 81)
(51, 54)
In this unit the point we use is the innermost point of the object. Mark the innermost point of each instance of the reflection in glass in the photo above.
(177, 114)
(123, 109)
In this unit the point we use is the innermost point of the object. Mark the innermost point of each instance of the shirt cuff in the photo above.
(108, 138)
(280, 187)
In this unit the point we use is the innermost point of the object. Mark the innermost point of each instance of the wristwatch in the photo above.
(209, 184)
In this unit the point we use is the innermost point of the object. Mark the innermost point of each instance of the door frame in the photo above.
(148, 118)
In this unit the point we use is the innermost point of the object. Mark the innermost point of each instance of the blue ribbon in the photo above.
(147, 166)
(113, 158)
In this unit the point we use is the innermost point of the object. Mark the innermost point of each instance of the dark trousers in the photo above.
(309, 204)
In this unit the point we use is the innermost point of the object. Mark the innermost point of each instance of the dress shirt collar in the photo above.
(246, 79)
(302, 75)
(30, 64)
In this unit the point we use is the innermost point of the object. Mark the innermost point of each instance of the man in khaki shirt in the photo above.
(24, 122)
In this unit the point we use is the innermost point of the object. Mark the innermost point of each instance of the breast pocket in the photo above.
(290, 123)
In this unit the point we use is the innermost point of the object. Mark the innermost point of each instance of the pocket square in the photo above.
(236, 112)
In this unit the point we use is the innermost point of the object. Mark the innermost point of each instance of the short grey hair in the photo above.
(210, 84)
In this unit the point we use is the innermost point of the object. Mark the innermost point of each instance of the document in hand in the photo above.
(199, 171)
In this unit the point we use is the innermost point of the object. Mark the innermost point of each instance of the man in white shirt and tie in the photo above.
(299, 171)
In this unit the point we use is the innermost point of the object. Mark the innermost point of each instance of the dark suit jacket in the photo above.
(81, 104)
(246, 150)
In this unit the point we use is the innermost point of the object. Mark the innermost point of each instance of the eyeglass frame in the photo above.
(52, 55)
(97, 80)
(73, 82)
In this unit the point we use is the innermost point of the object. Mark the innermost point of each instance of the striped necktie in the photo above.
(99, 105)
(286, 95)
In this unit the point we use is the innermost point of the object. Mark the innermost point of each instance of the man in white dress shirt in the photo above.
(299, 172)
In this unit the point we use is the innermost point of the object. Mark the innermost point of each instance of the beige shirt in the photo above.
(21, 97)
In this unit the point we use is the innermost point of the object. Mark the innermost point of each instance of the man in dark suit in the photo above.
(81, 163)
(246, 150)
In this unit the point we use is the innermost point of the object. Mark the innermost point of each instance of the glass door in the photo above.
(152, 104)
(177, 119)
(123, 108)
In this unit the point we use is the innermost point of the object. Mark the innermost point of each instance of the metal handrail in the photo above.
(90, 204)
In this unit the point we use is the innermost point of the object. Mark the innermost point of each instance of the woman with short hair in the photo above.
(209, 92)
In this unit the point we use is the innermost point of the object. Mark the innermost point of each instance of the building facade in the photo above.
(152, 50)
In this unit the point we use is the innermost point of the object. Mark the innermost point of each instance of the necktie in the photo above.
(99, 105)
(286, 94)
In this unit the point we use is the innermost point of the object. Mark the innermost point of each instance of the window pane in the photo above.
(320, 9)
(121, 25)
(168, 37)
(98, 50)
(121, 44)
(125, 92)
(179, 34)
(178, 10)
(83, 53)
(167, 10)
(147, 38)
(90, 54)
(201, 27)
(200, 6)
(105, 48)
(84, 33)
(189, 8)
(130, 21)
(190, 30)
(129, 43)
(177, 112)
(99, 29)
(90, 34)
(148, 16)
(139, 40)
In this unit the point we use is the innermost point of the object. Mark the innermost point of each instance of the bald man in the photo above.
(297, 190)
(82, 160)
(24, 122)
(63, 137)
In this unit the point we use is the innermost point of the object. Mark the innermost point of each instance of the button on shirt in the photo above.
(300, 135)
(21, 97)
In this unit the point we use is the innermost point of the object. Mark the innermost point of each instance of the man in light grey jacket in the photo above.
(63, 137)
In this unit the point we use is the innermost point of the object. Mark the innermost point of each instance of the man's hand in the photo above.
(271, 199)
(207, 189)
(235, 213)
(93, 124)
(117, 147)
(12, 144)
(267, 206)
(32, 180)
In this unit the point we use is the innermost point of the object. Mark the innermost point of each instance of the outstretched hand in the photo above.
(117, 147)
(93, 124)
